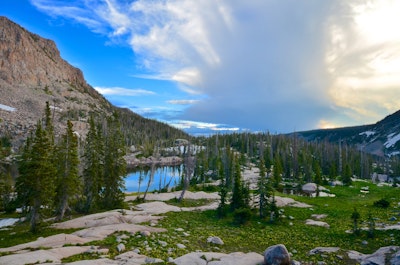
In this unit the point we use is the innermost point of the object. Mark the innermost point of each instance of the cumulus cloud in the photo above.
(263, 65)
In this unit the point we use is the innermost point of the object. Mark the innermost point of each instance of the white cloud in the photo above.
(265, 65)
(120, 91)
(183, 101)
(185, 124)
(363, 59)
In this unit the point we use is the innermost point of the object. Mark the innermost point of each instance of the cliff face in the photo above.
(28, 59)
(31, 73)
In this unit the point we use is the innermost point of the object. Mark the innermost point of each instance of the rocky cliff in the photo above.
(31, 73)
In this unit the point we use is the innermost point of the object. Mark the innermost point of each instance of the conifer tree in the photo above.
(240, 192)
(68, 182)
(317, 176)
(114, 165)
(263, 190)
(223, 189)
(93, 170)
(48, 123)
(277, 172)
(6, 182)
(347, 174)
(35, 185)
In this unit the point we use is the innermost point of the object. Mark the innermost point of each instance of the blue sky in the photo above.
(215, 65)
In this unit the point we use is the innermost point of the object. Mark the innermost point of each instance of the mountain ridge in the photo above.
(381, 138)
(32, 73)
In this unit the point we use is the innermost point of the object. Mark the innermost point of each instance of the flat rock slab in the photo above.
(172, 195)
(40, 256)
(319, 216)
(101, 232)
(213, 258)
(54, 241)
(321, 250)
(156, 207)
(94, 262)
(105, 218)
(284, 201)
(317, 223)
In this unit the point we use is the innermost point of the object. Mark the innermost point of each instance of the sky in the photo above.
(215, 66)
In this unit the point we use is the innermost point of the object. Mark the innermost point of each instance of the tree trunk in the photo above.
(152, 171)
(35, 215)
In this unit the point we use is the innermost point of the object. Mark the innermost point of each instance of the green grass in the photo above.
(256, 235)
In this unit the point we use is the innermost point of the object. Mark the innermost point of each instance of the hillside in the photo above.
(33, 72)
(381, 138)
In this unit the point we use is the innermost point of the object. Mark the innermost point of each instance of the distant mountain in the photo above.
(32, 72)
(381, 138)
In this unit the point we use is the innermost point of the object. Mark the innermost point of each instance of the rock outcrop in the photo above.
(33, 72)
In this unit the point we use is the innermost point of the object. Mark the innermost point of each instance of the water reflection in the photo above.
(153, 179)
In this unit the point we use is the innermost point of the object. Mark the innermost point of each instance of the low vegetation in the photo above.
(193, 228)
(90, 179)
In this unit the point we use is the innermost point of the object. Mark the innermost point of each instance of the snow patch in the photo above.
(8, 222)
(392, 140)
(56, 108)
(367, 133)
(7, 108)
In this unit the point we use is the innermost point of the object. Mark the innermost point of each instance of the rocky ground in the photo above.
(52, 249)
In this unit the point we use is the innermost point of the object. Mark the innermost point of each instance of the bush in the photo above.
(241, 216)
(382, 203)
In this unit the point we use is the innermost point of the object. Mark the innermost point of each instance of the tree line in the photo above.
(284, 163)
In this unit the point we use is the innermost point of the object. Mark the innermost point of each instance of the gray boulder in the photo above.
(215, 240)
(121, 247)
(379, 256)
(309, 188)
(276, 255)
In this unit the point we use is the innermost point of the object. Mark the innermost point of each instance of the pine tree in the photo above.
(68, 182)
(347, 174)
(317, 176)
(240, 192)
(277, 173)
(263, 190)
(93, 170)
(6, 182)
(223, 189)
(114, 165)
(35, 185)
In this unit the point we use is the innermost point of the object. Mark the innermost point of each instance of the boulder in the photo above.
(215, 240)
(317, 223)
(309, 188)
(323, 250)
(379, 256)
(276, 255)
(121, 247)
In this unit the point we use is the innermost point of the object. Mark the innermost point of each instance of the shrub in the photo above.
(241, 216)
(382, 203)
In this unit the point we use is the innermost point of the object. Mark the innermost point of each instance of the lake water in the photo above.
(163, 177)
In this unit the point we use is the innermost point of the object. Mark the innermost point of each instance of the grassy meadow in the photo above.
(192, 229)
